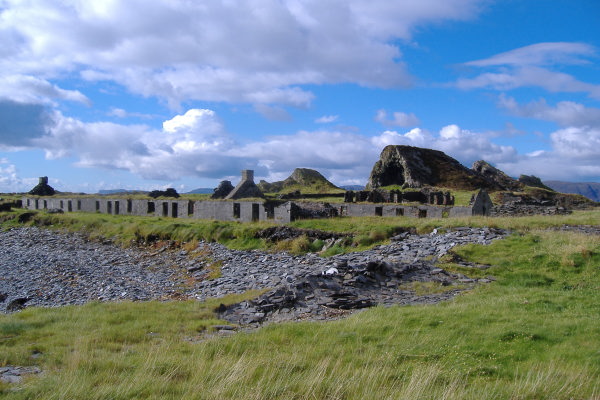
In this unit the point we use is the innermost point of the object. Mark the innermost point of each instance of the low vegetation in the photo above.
(533, 333)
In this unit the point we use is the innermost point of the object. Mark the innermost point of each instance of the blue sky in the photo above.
(146, 95)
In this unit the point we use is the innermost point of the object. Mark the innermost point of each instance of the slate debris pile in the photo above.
(311, 287)
(342, 287)
(49, 268)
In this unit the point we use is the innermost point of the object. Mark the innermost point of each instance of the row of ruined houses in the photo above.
(246, 211)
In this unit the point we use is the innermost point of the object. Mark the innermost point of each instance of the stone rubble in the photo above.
(49, 268)
(15, 374)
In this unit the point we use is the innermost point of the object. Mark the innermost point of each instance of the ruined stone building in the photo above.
(234, 208)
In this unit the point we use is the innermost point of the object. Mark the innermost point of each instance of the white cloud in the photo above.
(196, 144)
(327, 119)
(577, 143)
(29, 89)
(574, 156)
(550, 53)
(565, 113)
(10, 181)
(398, 119)
(532, 66)
(121, 113)
(258, 51)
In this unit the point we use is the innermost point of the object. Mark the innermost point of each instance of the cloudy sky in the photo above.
(141, 94)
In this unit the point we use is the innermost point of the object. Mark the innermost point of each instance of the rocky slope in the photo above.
(493, 174)
(302, 179)
(416, 167)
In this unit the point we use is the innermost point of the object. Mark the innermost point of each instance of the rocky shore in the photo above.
(49, 269)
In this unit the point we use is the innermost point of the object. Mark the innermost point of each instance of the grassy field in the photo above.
(534, 333)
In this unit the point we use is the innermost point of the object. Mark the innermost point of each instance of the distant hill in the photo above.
(120, 191)
(303, 179)
(353, 187)
(202, 191)
(591, 190)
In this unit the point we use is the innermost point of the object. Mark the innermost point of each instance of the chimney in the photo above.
(248, 175)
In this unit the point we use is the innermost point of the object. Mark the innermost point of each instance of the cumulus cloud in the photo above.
(259, 51)
(398, 119)
(533, 66)
(190, 144)
(197, 144)
(574, 148)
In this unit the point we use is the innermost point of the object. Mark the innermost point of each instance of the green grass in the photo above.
(128, 230)
(532, 334)
(365, 232)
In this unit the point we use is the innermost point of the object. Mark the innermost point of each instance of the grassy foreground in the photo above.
(534, 333)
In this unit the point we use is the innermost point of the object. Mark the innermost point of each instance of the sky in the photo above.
(138, 94)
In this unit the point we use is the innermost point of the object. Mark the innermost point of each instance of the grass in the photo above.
(365, 232)
(130, 230)
(533, 334)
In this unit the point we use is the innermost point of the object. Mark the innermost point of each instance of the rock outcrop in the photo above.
(416, 167)
(42, 188)
(302, 179)
(221, 191)
(495, 176)
(170, 192)
(533, 181)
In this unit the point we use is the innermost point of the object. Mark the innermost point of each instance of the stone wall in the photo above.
(244, 211)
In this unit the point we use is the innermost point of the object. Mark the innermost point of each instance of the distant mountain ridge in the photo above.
(201, 191)
(591, 190)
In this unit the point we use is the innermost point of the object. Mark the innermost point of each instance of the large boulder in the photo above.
(416, 167)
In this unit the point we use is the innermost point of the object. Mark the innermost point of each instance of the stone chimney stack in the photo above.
(43, 180)
(248, 175)
(246, 188)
